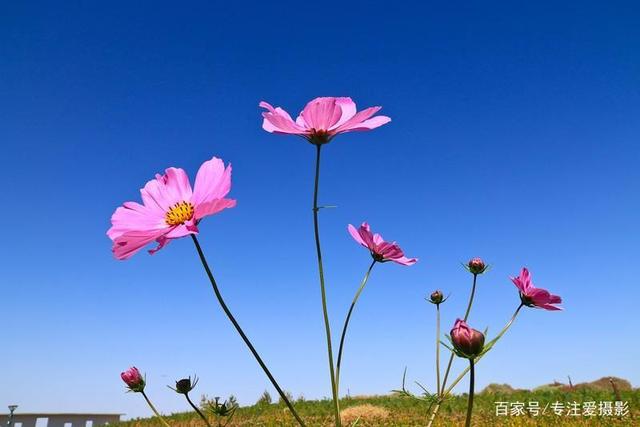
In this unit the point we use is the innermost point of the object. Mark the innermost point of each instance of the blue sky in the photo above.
(514, 137)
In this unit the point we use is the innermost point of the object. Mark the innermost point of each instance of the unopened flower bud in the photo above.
(185, 385)
(468, 342)
(436, 297)
(476, 266)
(133, 379)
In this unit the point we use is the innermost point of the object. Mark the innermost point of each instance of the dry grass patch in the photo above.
(366, 412)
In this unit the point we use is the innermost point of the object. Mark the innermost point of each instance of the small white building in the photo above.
(60, 420)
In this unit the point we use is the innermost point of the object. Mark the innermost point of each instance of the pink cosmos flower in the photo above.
(381, 251)
(170, 208)
(133, 379)
(322, 119)
(465, 339)
(532, 296)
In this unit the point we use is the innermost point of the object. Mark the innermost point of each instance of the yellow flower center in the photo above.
(179, 213)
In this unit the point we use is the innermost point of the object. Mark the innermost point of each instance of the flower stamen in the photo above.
(179, 213)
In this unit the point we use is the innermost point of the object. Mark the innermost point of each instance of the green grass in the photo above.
(404, 411)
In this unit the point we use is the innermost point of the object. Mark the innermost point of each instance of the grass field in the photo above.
(402, 411)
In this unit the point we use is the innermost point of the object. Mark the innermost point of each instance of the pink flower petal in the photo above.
(366, 236)
(321, 113)
(177, 185)
(133, 216)
(348, 108)
(131, 242)
(405, 261)
(213, 182)
(277, 120)
(366, 125)
(356, 235)
(213, 207)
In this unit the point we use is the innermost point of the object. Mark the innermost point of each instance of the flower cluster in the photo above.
(172, 208)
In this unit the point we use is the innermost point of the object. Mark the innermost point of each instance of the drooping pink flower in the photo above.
(468, 341)
(170, 209)
(322, 119)
(380, 250)
(133, 379)
(532, 296)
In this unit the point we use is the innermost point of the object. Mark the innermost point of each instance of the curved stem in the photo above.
(197, 409)
(346, 322)
(466, 316)
(155, 411)
(241, 332)
(327, 327)
(438, 348)
(471, 385)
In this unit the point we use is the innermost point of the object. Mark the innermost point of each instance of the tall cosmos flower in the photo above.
(170, 209)
(532, 296)
(381, 251)
(322, 119)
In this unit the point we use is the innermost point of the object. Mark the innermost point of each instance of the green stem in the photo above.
(316, 228)
(471, 385)
(197, 410)
(438, 348)
(434, 413)
(466, 316)
(153, 408)
(241, 332)
(346, 322)
(473, 292)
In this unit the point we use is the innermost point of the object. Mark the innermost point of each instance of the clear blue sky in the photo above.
(514, 137)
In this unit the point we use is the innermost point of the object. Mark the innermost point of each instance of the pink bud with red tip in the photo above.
(133, 379)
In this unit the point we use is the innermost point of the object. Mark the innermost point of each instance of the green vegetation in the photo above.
(403, 411)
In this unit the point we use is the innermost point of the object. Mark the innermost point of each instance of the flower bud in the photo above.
(476, 266)
(133, 379)
(184, 385)
(468, 342)
(436, 297)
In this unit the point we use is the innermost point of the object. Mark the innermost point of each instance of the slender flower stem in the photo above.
(241, 332)
(153, 408)
(327, 327)
(346, 321)
(197, 410)
(473, 292)
(438, 348)
(466, 316)
(471, 385)
(455, 382)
